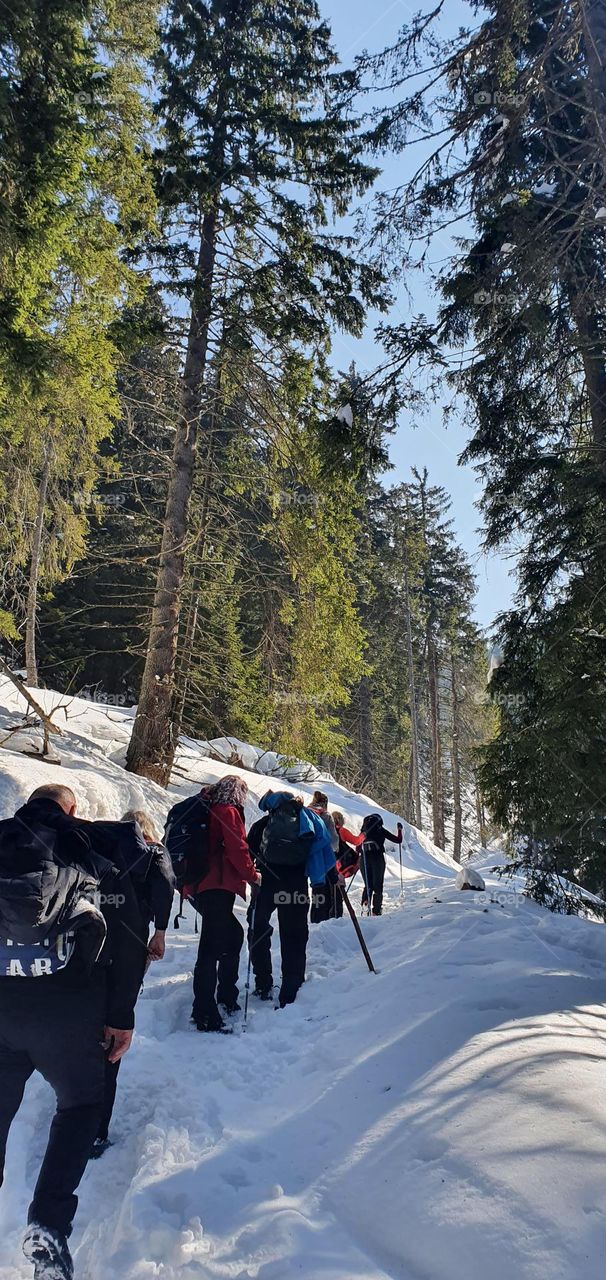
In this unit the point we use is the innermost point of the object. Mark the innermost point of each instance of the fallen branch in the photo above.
(45, 719)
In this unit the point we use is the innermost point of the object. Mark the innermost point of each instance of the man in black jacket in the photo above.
(66, 1001)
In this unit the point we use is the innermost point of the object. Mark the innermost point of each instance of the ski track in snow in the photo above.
(442, 1120)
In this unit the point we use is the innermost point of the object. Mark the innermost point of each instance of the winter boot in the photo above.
(263, 993)
(214, 1023)
(49, 1252)
(100, 1146)
(230, 1009)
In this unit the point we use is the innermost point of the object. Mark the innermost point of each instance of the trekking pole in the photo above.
(364, 865)
(356, 925)
(251, 943)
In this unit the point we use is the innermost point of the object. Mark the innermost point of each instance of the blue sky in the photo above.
(358, 25)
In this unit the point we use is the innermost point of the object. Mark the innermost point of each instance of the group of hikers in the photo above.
(84, 909)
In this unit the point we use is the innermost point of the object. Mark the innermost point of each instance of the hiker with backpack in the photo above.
(69, 978)
(153, 882)
(323, 896)
(372, 860)
(206, 838)
(291, 846)
(348, 860)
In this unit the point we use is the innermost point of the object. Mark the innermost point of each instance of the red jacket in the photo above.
(231, 866)
(349, 837)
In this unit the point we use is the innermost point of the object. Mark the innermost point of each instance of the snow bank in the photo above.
(442, 1118)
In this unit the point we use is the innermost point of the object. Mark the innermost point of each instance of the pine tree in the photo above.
(257, 153)
(75, 196)
(520, 164)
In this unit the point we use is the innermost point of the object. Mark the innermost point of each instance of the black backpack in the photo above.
(44, 899)
(186, 838)
(281, 842)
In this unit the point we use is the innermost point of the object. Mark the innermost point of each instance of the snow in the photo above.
(345, 415)
(440, 1120)
(469, 878)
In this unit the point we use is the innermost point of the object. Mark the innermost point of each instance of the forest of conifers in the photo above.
(197, 510)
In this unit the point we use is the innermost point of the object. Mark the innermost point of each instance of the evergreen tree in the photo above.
(518, 106)
(257, 153)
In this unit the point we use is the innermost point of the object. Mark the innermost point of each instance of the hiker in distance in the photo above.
(323, 895)
(291, 846)
(372, 860)
(206, 837)
(153, 882)
(69, 976)
(348, 860)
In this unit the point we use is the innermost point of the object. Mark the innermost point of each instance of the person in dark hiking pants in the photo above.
(230, 868)
(68, 988)
(154, 884)
(291, 846)
(323, 895)
(372, 859)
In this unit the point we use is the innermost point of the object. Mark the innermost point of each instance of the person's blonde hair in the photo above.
(338, 818)
(146, 823)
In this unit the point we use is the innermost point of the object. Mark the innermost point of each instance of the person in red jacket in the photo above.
(230, 869)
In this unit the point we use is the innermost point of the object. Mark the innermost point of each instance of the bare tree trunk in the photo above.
(417, 818)
(593, 354)
(480, 813)
(456, 763)
(437, 788)
(194, 606)
(593, 18)
(152, 745)
(31, 664)
(365, 733)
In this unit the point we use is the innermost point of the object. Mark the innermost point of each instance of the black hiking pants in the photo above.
(218, 963)
(47, 1026)
(286, 890)
(373, 871)
(327, 903)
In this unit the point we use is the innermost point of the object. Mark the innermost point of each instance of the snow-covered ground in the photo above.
(441, 1120)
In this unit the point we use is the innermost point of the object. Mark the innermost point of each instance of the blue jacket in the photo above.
(320, 859)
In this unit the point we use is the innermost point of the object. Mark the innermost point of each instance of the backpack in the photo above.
(44, 900)
(348, 857)
(281, 841)
(186, 838)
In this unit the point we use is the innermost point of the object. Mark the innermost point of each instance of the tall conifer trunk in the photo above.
(31, 663)
(456, 762)
(152, 745)
(437, 788)
(417, 816)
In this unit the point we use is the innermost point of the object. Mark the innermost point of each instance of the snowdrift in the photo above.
(441, 1120)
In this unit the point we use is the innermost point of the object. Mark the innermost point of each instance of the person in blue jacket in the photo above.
(291, 847)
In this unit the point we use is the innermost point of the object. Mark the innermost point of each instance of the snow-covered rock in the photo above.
(469, 878)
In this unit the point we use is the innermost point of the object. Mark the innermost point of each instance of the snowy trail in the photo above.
(443, 1119)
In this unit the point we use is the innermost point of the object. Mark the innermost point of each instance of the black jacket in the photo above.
(376, 833)
(155, 894)
(123, 953)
